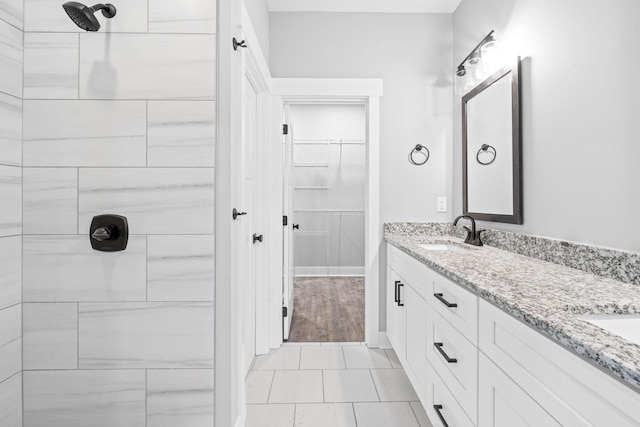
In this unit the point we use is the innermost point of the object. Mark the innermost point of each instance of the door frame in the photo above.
(337, 91)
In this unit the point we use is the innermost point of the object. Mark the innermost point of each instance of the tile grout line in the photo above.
(273, 376)
(77, 335)
(414, 413)
(374, 385)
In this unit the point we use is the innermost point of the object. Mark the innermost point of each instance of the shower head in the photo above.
(83, 16)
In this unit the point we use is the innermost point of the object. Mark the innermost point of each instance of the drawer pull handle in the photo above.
(396, 291)
(399, 303)
(444, 301)
(438, 408)
(438, 346)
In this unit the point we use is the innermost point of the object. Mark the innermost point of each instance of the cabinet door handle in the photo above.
(396, 291)
(438, 346)
(438, 408)
(444, 301)
(399, 303)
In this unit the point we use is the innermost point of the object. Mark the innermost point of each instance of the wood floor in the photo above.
(328, 309)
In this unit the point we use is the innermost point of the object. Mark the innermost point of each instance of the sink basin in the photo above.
(440, 247)
(626, 326)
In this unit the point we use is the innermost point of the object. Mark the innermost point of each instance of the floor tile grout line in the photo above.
(273, 377)
(374, 385)
(414, 413)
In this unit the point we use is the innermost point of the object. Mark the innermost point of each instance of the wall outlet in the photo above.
(442, 204)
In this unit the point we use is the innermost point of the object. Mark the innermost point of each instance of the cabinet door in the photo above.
(396, 320)
(416, 311)
(504, 404)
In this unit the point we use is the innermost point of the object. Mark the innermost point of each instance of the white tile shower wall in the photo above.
(11, 48)
(120, 121)
(147, 66)
(181, 397)
(11, 59)
(51, 66)
(84, 133)
(10, 129)
(11, 401)
(145, 335)
(84, 398)
(50, 200)
(11, 271)
(11, 12)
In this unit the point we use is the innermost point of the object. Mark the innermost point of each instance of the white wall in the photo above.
(412, 53)
(580, 113)
(11, 35)
(259, 15)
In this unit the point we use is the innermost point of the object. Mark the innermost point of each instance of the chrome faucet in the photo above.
(473, 236)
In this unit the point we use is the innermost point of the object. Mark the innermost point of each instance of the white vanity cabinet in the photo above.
(474, 365)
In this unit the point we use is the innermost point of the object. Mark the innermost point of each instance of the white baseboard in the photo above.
(383, 341)
(329, 271)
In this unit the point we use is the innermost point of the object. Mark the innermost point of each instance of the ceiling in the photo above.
(377, 6)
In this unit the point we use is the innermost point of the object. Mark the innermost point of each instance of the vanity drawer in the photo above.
(460, 371)
(457, 305)
(442, 408)
(410, 269)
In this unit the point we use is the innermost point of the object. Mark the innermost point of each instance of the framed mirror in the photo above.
(492, 148)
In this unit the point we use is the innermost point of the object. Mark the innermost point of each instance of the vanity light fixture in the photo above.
(480, 62)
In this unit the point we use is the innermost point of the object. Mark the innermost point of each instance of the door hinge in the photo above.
(284, 312)
(285, 220)
(285, 129)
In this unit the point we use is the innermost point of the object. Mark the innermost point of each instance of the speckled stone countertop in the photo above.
(546, 296)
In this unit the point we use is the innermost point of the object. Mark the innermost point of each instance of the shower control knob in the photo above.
(103, 233)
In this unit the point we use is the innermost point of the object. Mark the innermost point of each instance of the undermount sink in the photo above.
(626, 326)
(441, 247)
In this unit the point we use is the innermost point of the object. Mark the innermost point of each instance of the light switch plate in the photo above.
(442, 204)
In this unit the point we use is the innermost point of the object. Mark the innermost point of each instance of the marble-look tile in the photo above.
(296, 387)
(10, 200)
(11, 271)
(147, 66)
(84, 398)
(50, 201)
(11, 11)
(384, 414)
(51, 66)
(11, 402)
(155, 201)
(180, 268)
(258, 386)
(362, 357)
(146, 335)
(11, 59)
(180, 397)
(84, 133)
(181, 133)
(325, 414)
(50, 336)
(195, 16)
(10, 130)
(352, 385)
(66, 269)
(322, 357)
(10, 341)
(393, 385)
(270, 415)
(48, 16)
(281, 359)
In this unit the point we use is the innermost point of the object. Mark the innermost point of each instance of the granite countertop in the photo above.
(546, 296)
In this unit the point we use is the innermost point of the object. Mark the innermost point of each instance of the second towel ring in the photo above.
(486, 148)
(418, 149)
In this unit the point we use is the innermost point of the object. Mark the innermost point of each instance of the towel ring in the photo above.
(418, 149)
(486, 148)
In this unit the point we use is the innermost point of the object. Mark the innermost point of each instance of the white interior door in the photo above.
(249, 204)
(287, 188)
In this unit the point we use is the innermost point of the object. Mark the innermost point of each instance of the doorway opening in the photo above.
(325, 156)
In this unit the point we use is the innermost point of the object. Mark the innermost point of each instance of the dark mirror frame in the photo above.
(516, 218)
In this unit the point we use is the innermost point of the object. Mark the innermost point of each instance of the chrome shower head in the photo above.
(83, 16)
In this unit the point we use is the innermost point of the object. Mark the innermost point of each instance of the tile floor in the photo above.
(331, 385)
